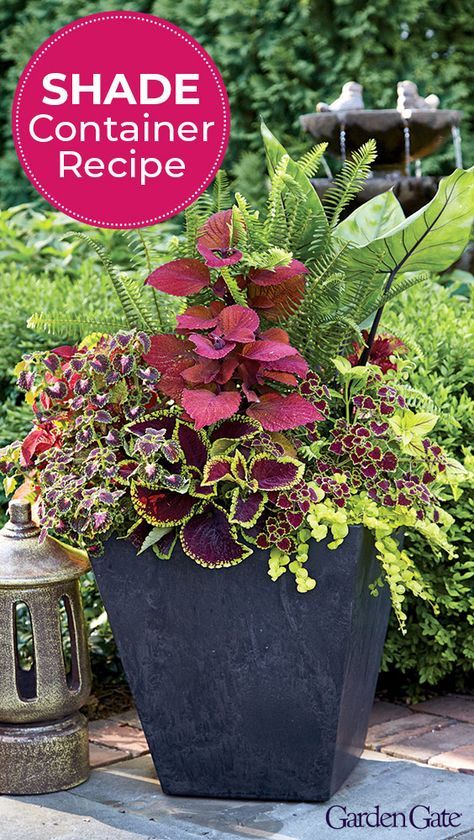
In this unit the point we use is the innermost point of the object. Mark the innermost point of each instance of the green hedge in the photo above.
(277, 57)
(438, 651)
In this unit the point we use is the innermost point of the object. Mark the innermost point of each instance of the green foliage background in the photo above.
(278, 58)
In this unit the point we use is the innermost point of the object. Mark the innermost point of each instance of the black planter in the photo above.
(247, 688)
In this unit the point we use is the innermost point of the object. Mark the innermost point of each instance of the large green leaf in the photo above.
(315, 226)
(373, 219)
(430, 240)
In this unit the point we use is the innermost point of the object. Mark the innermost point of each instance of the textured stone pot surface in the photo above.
(247, 688)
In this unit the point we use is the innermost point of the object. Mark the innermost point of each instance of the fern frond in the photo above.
(73, 328)
(406, 281)
(276, 222)
(221, 193)
(237, 294)
(129, 292)
(349, 181)
(311, 160)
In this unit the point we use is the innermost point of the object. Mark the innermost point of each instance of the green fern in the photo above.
(349, 181)
(58, 323)
(137, 312)
(221, 192)
(311, 160)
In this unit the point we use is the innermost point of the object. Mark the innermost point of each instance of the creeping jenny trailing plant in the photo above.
(264, 417)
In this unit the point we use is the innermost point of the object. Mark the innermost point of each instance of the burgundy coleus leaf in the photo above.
(193, 446)
(206, 408)
(180, 277)
(162, 507)
(164, 547)
(237, 323)
(170, 355)
(216, 469)
(277, 413)
(217, 239)
(275, 473)
(211, 540)
(200, 317)
(267, 277)
(125, 470)
(66, 351)
(238, 428)
(246, 511)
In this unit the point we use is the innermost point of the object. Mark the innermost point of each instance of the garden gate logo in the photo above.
(121, 120)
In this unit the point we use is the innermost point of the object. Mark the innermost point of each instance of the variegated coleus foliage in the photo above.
(214, 490)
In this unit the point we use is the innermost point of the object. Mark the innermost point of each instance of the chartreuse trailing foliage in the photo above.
(245, 424)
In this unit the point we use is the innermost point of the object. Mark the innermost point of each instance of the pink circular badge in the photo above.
(121, 120)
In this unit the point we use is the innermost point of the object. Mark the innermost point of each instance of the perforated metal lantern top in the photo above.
(41, 581)
(26, 562)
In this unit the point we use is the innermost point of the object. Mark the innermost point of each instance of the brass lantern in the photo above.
(43, 736)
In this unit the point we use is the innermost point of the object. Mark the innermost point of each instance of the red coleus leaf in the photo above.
(211, 540)
(282, 273)
(276, 302)
(180, 277)
(275, 473)
(200, 317)
(268, 351)
(216, 240)
(246, 511)
(277, 413)
(295, 364)
(161, 507)
(170, 355)
(65, 351)
(37, 441)
(203, 372)
(211, 348)
(206, 408)
(237, 323)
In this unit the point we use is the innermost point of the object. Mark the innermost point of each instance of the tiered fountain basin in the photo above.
(400, 138)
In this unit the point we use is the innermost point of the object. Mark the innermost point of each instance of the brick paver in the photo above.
(110, 733)
(425, 746)
(397, 730)
(439, 732)
(452, 705)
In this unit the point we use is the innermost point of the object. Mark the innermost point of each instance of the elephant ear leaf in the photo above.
(303, 199)
(429, 240)
(371, 220)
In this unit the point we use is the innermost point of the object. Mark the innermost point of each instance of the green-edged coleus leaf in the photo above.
(217, 469)
(270, 473)
(164, 547)
(125, 470)
(235, 428)
(154, 536)
(245, 511)
(210, 539)
(160, 507)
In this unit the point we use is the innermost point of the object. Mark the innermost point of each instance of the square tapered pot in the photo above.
(245, 687)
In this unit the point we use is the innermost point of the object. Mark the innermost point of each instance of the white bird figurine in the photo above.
(410, 100)
(349, 100)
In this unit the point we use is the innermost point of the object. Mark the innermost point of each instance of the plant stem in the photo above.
(364, 357)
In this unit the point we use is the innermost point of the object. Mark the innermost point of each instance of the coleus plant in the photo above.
(244, 426)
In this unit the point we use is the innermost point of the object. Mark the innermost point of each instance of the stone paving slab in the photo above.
(100, 756)
(458, 706)
(383, 712)
(125, 802)
(461, 759)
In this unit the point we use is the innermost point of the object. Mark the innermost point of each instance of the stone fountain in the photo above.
(404, 136)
